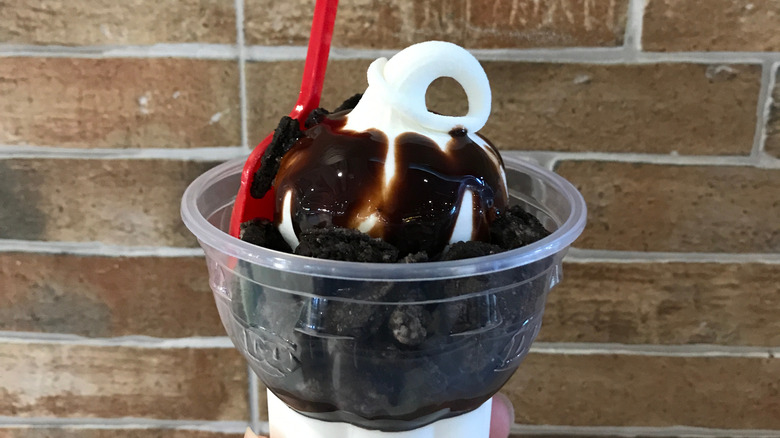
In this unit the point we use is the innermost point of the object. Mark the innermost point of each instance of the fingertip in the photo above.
(503, 399)
(502, 416)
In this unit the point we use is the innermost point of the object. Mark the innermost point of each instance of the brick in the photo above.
(82, 432)
(623, 390)
(650, 108)
(119, 103)
(56, 380)
(107, 296)
(474, 24)
(772, 144)
(103, 22)
(665, 303)
(127, 202)
(273, 90)
(724, 25)
(528, 23)
(650, 207)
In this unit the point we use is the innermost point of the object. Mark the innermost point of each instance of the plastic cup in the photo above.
(360, 349)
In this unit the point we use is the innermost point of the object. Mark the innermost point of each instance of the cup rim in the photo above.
(209, 236)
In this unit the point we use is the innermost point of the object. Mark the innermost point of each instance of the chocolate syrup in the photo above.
(337, 179)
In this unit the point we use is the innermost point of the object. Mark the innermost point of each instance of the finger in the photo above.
(502, 415)
(250, 434)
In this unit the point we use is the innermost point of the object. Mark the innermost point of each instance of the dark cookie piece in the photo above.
(262, 232)
(316, 117)
(286, 134)
(345, 244)
(516, 228)
(418, 257)
(466, 250)
(319, 114)
(349, 103)
(359, 320)
(458, 131)
(408, 323)
(468, 315)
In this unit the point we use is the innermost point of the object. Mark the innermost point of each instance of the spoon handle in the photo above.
(246, 207)
(316, 58)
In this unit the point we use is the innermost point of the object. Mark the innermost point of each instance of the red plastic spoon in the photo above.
(247, 207)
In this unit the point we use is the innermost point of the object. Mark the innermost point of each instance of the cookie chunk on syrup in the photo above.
(349, 103)
(286, 134)
(319, 114)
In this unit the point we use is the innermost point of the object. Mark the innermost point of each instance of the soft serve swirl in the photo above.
(391, 168)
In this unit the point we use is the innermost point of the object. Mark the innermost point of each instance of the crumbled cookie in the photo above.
(465, 250)
(357, 320)
(345, 244)
(407, 323)
(316, 116)
(262, 232)
(515, 228)
(286, 134)
(418, 257)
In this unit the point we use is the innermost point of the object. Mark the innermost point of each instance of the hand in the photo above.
(502, 416)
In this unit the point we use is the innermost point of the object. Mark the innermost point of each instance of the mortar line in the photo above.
(133, 341)
(240, 40)
(763, 107)
(766, 161)
(632, 41)
(576, 255)
(668, 159)
(585, 55)
(706, 57)
(560, 348)
(589, 55)
(232, 427)
(254, 399)
(640, 431)
(97, 249)
(692, 350)
(774, 70)
(202, 51)
(220, 153)
(284, 53)
(545, 159)
(579, 255)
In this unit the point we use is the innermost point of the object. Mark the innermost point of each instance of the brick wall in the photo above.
(661, 112)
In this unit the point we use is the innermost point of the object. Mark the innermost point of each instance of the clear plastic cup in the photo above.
(390, 347)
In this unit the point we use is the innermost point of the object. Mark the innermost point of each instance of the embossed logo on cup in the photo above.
(276, 355)
(516, 350)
